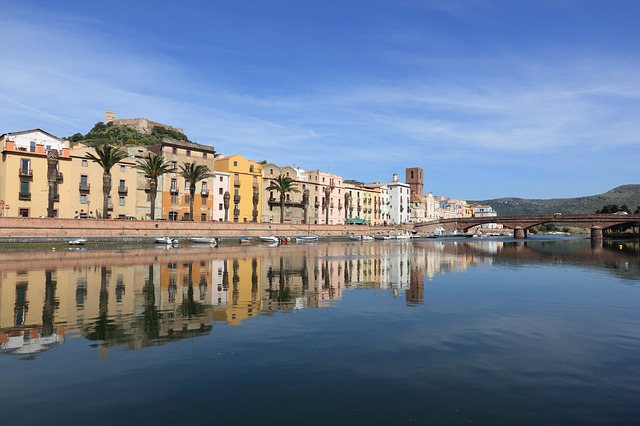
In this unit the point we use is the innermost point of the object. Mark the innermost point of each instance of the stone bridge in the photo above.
(520, 224)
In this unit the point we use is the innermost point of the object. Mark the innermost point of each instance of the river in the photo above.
(437, 332)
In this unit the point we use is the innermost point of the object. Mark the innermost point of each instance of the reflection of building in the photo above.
(415, 293)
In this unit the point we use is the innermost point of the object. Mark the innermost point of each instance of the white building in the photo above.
(220, 186)
(399, 201)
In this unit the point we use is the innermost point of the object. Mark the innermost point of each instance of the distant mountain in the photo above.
(628, 195)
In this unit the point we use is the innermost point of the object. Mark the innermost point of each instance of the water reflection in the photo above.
(140, 298)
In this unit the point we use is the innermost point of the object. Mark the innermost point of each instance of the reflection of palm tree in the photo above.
(236, 279)
(151, 324)
(104, 329)
(254, 279)
(190, 307)
(49, 304)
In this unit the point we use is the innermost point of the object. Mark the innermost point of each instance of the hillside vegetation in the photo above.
(125, 136)
(628, 195)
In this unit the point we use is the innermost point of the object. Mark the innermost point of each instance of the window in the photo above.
(235, 164)
(85, 163)
(220, 191)
(203, 217)
(220, 178)
(84, 199)
(32, 146)
(122, 168)
(251, 168)
(204, 155)
(84, 180)
(174, 150)
(187, 185)
(174, 198)
(122, 185)
(25, 165)
(173, 215)
(23, 213)
(271, 172)
(220, 207)
(121, 200)
(174, 165)
(188, 153)
(24, 188)
(187, 198)
(174, 185)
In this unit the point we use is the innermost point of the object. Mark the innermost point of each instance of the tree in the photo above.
(282, 184)
(193, 174)
(106, 156)
(154, 166)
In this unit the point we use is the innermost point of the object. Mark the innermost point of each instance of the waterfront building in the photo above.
(246, 180)
(82, 193)
(399, 201)
(24, 184)
(296, 211)
(362, 204)
(423, 209)
(221, 190)
(326, 197)
(173, 189)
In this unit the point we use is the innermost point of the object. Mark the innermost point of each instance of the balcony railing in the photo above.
(174, 191)
(60, 177)
(123, 190)
(236, 182)
(85, 187)
(26, 172)
(236, 199)
(236, 212)
(24, 196)
(205, 192)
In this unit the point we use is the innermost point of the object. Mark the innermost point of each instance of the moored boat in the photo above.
(269, 239)
(307, 239)
(166, 240)
(78, 241)
(204, 240)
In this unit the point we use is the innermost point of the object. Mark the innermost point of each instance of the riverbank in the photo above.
(48, 230)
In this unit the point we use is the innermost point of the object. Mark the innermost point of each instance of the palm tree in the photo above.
(52, 179)
(106, 156)
(193, 174)
(282, 184)
(154, 166)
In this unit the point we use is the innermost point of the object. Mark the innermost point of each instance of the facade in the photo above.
(326, 197)
(423, 209)
(296, 211)
(221, 182)
(399, 201)
(362, 204)
(246, 182)
(82, 194)
(173, 189)
(24, 184)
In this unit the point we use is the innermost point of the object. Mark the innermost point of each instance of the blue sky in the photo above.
(535, 99)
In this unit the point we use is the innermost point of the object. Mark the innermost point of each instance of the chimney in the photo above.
(395, 177)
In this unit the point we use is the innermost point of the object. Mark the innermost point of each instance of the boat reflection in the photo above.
(140, 298)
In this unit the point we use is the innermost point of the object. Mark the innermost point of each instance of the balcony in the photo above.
(174, 191)
(236, 182)
(85, 187)
(25, 172)
(56, 198)
(24, 196)
(123, 190)
(236, 212)
(60, 178)
(236, 199)
(204, 192)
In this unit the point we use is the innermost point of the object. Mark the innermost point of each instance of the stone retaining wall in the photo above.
(45, 229)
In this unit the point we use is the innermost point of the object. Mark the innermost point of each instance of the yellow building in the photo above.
(24, 185)
(246, 183)
(81, 193)
(174, 189)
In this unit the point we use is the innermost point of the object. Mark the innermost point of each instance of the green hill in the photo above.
(628, 195)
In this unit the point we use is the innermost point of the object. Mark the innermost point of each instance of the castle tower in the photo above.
(109, 116)
(415, 180)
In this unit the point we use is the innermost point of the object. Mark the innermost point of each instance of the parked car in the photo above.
(83, 216)
(127, 218)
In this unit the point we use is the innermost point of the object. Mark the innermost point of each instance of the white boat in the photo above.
(403, 236)
(381, 237)
(78, 241)
(361, 237)
(204, 240)
(270, 239)
(307, 239)
(166, 240)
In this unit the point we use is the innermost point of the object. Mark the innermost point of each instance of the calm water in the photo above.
(382, 333)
